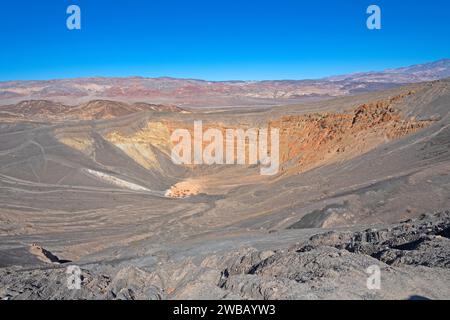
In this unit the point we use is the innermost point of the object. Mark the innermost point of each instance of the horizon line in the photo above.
(229, 80)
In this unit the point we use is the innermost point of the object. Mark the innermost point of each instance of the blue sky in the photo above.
(217, 39)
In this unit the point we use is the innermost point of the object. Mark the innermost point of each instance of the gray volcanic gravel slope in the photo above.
(413, 258)
(88, 201)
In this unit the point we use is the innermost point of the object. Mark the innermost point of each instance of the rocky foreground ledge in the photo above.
(413, 258)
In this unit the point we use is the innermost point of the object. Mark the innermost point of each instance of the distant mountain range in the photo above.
(45, 110)
(416, 73)
(200, 93)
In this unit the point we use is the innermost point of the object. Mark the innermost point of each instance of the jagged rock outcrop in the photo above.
(413, 257)
(43, 254)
